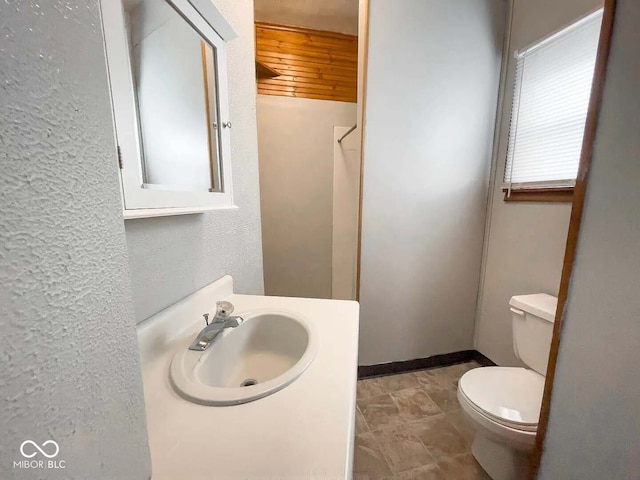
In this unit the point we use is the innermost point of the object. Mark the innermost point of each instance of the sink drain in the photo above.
(249, 382)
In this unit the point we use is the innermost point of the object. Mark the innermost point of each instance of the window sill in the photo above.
(556, 195)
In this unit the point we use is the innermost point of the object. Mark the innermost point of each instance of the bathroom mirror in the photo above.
(167, 68)
(174, 82)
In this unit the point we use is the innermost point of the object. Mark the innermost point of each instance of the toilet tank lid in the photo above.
(538, 304)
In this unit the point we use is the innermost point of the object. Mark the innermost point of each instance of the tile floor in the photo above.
(410, 427)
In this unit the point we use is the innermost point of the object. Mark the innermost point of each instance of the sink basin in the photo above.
(264, 354)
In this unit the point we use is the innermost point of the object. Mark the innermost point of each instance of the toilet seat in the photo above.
(504, 400)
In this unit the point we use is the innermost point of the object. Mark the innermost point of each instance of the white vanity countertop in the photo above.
(304, 431)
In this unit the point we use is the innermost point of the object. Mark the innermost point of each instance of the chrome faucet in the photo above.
(221, 320)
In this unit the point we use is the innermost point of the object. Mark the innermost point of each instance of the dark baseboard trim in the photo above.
(444, 360)
(482, 360)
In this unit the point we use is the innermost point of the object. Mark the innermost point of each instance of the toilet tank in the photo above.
(532, 318)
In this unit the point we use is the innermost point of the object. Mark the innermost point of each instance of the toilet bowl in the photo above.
(503, 403)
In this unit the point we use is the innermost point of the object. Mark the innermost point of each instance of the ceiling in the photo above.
(333, 15)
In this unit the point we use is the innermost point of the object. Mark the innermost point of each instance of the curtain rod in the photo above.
(347, 133)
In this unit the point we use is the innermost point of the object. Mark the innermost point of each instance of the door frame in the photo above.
(573, 236)
(591, 126)
(363, 31)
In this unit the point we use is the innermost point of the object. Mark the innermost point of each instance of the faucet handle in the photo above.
(206, 318)
(224, 309)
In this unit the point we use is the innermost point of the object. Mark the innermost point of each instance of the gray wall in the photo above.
(296, 143)
(433, 78)
(70, 368)
(172, 257)
(595, 412)
(524, 242)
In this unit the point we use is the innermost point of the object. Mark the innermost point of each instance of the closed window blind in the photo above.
(550, 102)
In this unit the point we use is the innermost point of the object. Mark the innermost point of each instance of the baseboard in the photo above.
(482, 360)
(444, 360)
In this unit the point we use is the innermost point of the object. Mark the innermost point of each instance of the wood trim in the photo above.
(286, 85)
(365, 64)
(292, 68)
(311, 63)
(280, 93)
(280, 62)
(558, 194)
(435, 361)
(306, 31)
(207, 102)
(306, 55)
(591, 127)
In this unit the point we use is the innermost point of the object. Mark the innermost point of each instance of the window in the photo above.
(549, 110)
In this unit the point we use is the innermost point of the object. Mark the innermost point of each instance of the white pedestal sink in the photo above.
(267, 352)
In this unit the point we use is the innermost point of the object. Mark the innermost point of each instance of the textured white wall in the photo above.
(70, 369)
(524, 242)
(296, 184)
(595, 412)
(172, 257)
(431, 103)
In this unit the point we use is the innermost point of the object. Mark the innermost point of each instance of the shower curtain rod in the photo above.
(347, 133)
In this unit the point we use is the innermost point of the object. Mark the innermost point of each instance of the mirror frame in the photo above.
(139, 202)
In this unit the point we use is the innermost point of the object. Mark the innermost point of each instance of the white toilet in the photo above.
(504, 403)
